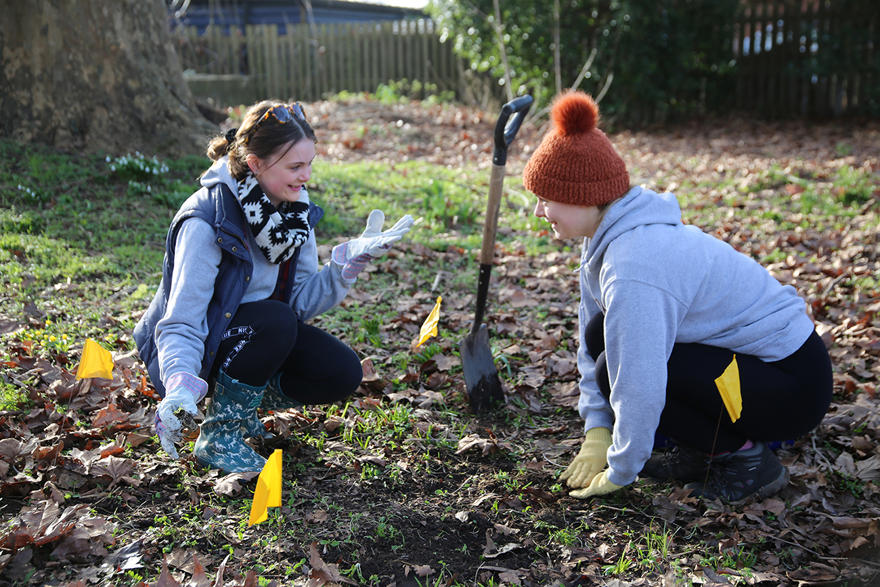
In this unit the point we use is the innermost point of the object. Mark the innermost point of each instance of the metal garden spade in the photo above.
(481, 377)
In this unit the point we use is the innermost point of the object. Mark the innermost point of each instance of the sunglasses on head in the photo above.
(282, 113)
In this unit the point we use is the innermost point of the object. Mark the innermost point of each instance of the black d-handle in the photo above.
(506, 127)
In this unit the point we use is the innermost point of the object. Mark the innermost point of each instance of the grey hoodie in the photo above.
(181, 333)
(660, 282)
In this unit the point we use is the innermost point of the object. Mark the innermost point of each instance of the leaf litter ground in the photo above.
(402, 486)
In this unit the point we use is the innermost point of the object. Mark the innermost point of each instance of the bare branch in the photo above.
(584, 69)
(557, 61)
(499, 32)
(604, 89)
(589, 63)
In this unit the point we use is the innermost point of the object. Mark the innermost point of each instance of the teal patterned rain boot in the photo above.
(221, 443)
(252, 427)
(275, 399)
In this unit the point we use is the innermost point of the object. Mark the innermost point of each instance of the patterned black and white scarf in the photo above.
(279, 232)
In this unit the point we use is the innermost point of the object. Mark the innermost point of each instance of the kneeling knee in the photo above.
(351, 373)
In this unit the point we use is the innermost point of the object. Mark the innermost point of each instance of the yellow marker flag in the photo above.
(96, 361)
(268, 493)
(728, 387)
(429, 328)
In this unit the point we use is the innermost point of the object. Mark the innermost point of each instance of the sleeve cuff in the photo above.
(339, 272)
(197, 386)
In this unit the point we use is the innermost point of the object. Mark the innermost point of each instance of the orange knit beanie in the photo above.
(575, 162)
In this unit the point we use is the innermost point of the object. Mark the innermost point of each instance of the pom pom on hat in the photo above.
(574, 113)
(575, 162)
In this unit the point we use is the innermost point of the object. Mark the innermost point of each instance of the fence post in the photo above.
(253, 58)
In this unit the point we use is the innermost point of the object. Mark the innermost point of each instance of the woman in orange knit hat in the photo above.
(680, 334)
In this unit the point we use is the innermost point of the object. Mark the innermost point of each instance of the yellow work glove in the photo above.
(591, 459)
(600, 486)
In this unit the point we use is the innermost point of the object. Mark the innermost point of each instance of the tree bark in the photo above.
(97, 76)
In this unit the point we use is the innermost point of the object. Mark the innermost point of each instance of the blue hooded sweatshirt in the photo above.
(659, 282)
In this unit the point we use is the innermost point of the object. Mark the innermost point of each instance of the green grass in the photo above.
(12, 397)
(780, 193)
(450, 202)
(399, 91)
(96, 225)
(77, 237)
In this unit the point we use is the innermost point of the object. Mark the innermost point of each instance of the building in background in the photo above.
(239, 13)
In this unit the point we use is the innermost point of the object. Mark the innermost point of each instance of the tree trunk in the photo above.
(95, 75)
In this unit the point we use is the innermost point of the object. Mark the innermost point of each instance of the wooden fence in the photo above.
(307, 63)
(788, 58)
(807, 57)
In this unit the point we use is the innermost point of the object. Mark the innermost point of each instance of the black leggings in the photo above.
(781, 400)
(266, 337)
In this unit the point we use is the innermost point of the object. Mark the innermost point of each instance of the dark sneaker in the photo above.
(735, 476)
(679, 463)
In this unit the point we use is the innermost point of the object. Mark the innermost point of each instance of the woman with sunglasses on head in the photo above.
(240, 280)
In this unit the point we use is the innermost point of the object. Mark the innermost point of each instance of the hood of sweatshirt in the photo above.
(638, 207)
(219, 173)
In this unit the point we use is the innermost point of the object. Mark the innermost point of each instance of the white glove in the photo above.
(182, 392)
(353, 255)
